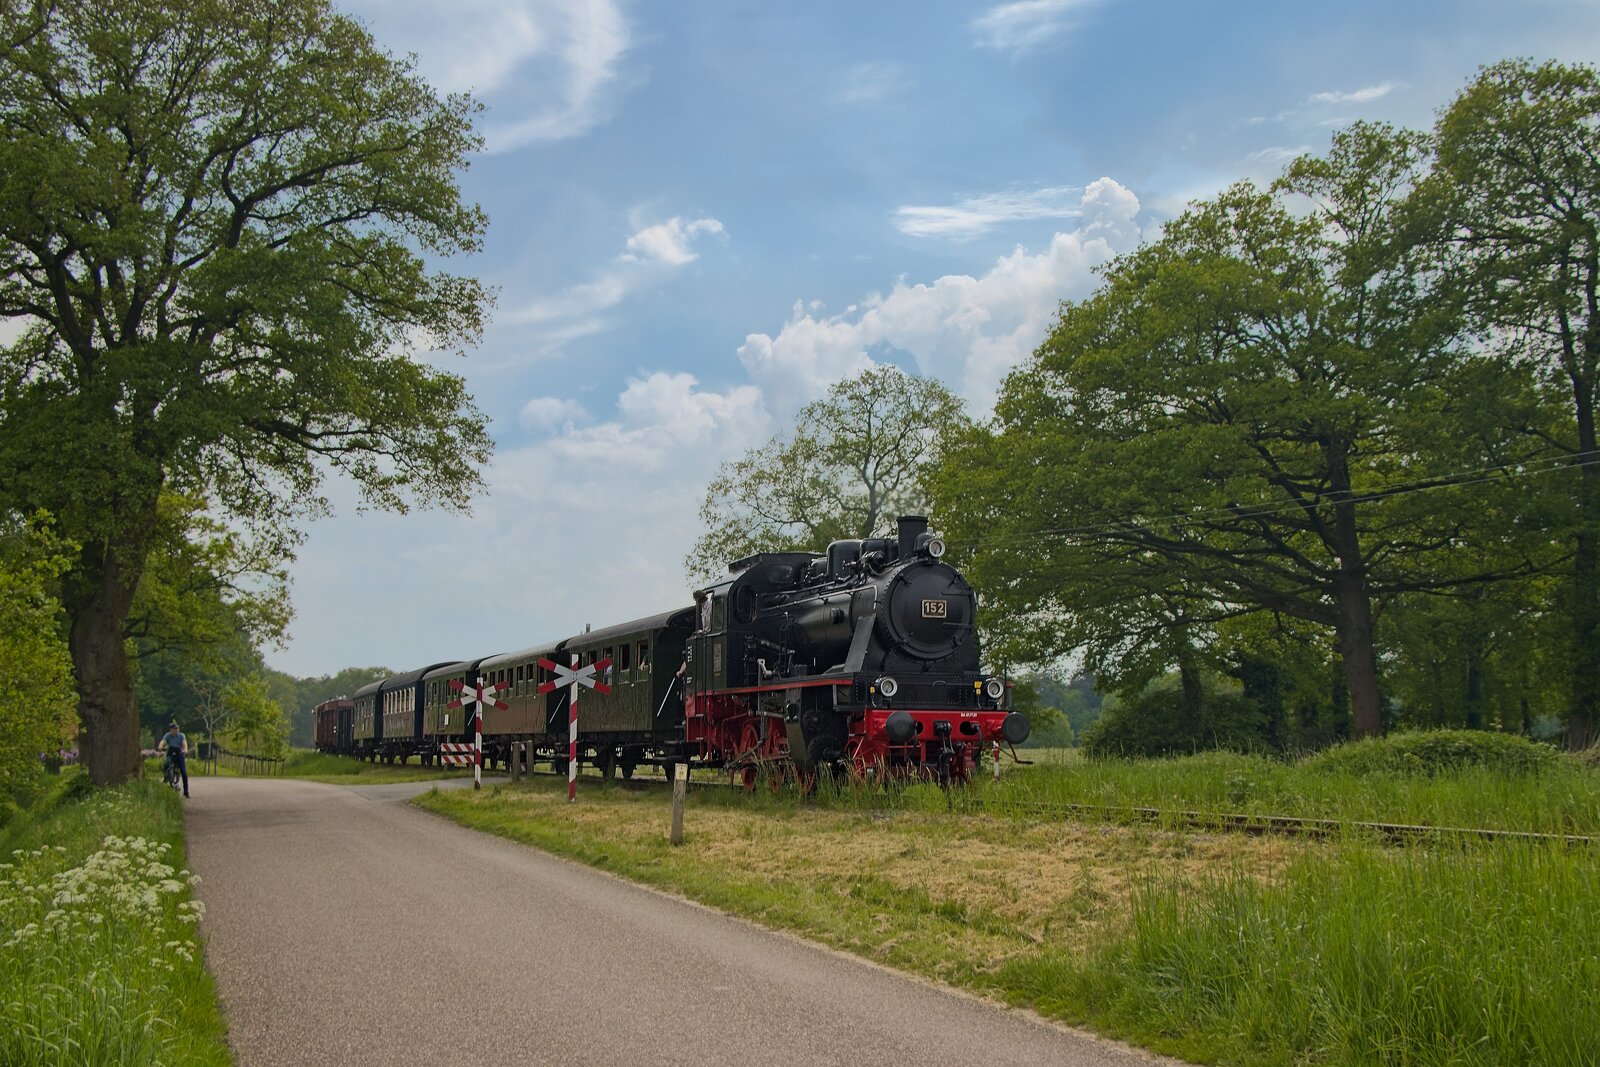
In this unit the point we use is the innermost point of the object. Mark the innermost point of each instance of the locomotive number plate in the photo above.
(935, 609)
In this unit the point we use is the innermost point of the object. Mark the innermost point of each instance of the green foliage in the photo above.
(1156, 723)
(250, 721)
(218, 224)
(856, 460)
(1219, 430)
(1430, 752)
(36, 710)
(100, 962)
(1518, 176)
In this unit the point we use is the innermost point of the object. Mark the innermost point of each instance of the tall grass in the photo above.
(99, 961)
(1482, 955)
(1563, 797)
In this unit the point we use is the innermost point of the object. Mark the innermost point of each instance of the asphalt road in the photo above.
(347, 927)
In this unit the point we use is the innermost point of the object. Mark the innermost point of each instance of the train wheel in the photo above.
(749, 776)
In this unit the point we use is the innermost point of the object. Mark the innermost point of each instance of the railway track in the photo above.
(1236, 822)
(1291, 825)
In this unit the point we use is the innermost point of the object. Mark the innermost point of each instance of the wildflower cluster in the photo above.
(95, 947)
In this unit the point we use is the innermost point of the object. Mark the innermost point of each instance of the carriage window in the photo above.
(624, 657)
(611, 667)
(644, 656)
(719, 609)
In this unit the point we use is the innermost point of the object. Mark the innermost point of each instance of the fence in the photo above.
(244, 762)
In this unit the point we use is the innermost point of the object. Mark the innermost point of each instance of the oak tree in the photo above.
(1263, 411)
(221, 227)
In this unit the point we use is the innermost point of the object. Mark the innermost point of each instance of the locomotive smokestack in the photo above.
(911, 527)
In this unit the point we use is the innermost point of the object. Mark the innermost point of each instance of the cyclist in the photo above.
(177, 747)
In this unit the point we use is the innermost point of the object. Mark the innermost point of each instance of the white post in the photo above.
(997, 761)
(572, 738)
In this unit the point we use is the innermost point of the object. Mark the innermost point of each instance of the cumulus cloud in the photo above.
(1359, 96)
(1026, 24)
(668, 242)
(968, 331)
(980, 214)
(664, 417)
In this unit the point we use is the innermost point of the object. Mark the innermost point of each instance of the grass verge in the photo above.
(100, 964)
(1215, 947)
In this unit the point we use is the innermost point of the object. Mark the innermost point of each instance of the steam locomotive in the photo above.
(862, 660)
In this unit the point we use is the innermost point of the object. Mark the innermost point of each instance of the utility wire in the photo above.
(1479, 476)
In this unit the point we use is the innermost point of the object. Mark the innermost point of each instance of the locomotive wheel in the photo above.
(627, 769)
(749, 777)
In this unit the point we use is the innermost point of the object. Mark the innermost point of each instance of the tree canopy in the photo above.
(1519, 162)
(220, 224)
(1266, 410)
(856, 459)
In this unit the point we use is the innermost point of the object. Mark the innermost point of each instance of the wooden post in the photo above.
(680, 784)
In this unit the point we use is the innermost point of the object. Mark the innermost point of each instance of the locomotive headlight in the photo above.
(994, 688)
(888, 686)
(936, 547)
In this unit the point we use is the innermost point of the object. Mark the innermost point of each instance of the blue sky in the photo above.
(701, 214)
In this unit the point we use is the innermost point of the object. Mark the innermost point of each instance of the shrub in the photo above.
(1152, 724)
(1429, 752)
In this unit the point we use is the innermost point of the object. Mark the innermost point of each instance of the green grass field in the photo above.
(1218, 947)
(100, 964)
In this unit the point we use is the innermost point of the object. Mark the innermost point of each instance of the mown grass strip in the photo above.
(100, 963)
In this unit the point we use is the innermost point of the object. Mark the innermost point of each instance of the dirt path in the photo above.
(347, 927)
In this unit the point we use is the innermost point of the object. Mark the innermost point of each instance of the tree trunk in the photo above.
(98, 605)
(1359, 658)
(1582, 727)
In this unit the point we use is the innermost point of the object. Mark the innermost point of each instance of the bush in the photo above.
(1429, 752)
(1151, 724)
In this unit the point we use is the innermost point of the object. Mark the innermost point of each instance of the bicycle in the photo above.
(170, 775)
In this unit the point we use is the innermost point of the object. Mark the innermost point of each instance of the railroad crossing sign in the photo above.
(478, 696)
(575, 675)
(579, 678)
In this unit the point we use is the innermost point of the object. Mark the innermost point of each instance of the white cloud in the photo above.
(652, 256)
(968, 331)
(663, 420)
(548, 69)
(1277, 154)
(1359, 96)
(867, 84)
(980, 214)
(668, 242)
(549, 413)
(1026, 24)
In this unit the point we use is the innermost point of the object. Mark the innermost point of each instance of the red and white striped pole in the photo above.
(572, 740)
(477, 727)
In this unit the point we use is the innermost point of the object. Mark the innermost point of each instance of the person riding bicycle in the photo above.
(177, 746)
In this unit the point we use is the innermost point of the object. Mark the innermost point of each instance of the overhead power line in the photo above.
(1478, 476)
